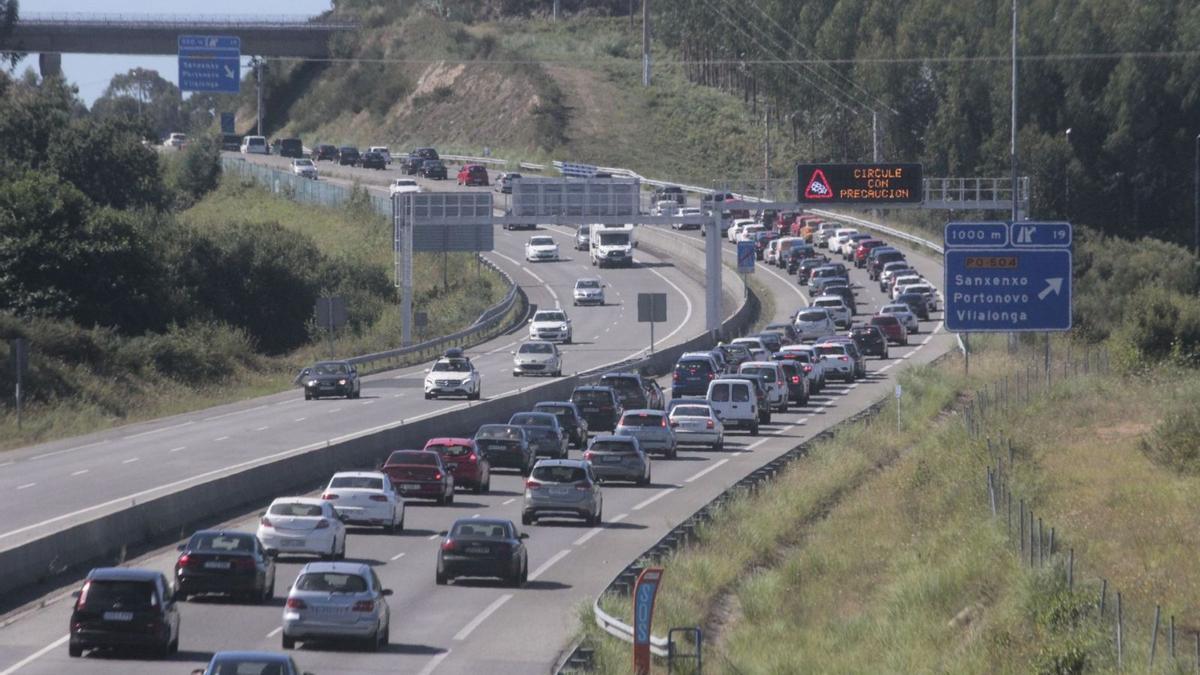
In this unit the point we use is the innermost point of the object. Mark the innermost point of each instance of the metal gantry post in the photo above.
(402, 235)
(712, 271)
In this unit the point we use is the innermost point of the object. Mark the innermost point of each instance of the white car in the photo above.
(747, 233)
(814, 323)
(687, 211)
(453, 375)
(304, 168)
(588, 292)
(837, 359)
(306, 525)
(836, 305)
(697, 424)
(735, 229)
(900, 282)
(891, 269)
(403, 185)
(383, 150)
(839, 238)
(541, 248)
(366, 498)
(773, 379)
(906, 316)
(664, 207)
(175, 140)
(751, 343)
(924, 288)
(537, 357)
(552, 325)
(255, 145)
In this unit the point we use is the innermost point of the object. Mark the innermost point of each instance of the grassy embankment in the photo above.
(876, 553)
(119, 382)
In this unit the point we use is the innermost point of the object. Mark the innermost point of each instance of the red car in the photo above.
(472, 174)
(464, 462)
(864, 247)
(420, 474)
(893, 329)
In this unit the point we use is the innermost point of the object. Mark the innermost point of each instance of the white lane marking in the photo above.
(371, 402)
(182, 447)
(235, 412)
(35, 656)
(705, 472)
(335, 410)
(398, 556)
(476, 515)
(508, 501)
(590, 533)
(131, 460)
(546, 565)
(277, 631)
(155, 431)
(11, 461)
(299, 419)
(434, 663)
(63, 452)
(80, 472)
(433, 536)
(737, 454)
(531, 273)
(26, 486)
(482, 616)
(887, 367)
(909, 354)
(262, 428)
(618, 518)
(647, 502)
(222, 438)
(393, 396)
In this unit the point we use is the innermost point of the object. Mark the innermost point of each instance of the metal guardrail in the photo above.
(165, 20)
(531, 166)
(467, 159)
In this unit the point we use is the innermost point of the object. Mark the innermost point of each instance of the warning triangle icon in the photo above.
(818, 187)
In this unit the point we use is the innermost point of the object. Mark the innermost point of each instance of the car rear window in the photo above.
(691, 411)
(451, 450)
(297, 510)
(248, 667)
(221, 542)
(831, 350)
(812, 316)
(499, 433)
(829, 302)
(884, 321)
(559, 474)
(122, 593)
(641, 420)
(594, 397)
(484, 530)
(532, 419)
(331, 582)
(693, 366)
(359, 482)
(741, 394)
(412, 457)
(619, 447)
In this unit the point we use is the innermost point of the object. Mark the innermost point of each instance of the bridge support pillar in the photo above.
(50, 65)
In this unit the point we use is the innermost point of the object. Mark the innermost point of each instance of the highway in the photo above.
(468, 627)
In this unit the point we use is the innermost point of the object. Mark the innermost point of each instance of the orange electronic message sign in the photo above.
(859, 184)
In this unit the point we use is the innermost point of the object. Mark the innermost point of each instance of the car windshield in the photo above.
(560, 411)
(303, 162)
(119, 593)
(691, 411)
(587, 283)
(248, 667)
(622, 447)
(497, 433)
(215, 541)
(482, 530)
(559, 474)
(812, 316)
(330, 369)
(642, 420)
(359, 482)
(532, 420)
(297, 510)
(452, 450)
(614, 238)
(451, 366)
(549, 316)
(541, 241)
(536, 348)
(331, 582)
(413, 457)
(404, 182)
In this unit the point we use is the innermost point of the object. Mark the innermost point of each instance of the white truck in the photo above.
(611, 245)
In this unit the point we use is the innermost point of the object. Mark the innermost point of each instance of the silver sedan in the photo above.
(651, 429)
(697, 424)
(337, 600)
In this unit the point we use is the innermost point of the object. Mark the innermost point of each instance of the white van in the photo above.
(735, 403)
(255, 145)
(774, 381)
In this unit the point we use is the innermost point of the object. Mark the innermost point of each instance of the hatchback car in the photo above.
(905, 315)
(505, 182)
(468, 466)
(372, 160)
(599, 405)
(325, 151)
(652, 430)
(697, 424)
(365, 498)
(537, 357)
(250, 663)
(541, 247)
(809, 362)
(331, 378)
(618, 458)
(505, 447)
(434, 169)
(569, 418)
(814, 323)
(838, 360)
(401, 186)
(550, 324)
(420, 474)
(226, 562)
(337, 601)
(544, 433)
(302, 525)
(124, 607)
(588, 292)
(798, 384)
(473, 174)
(562, 488)
(893, 329)
(917, 302)
(483, 547)
(771, 375)
(583, 238)
(692, 375)
(870, 340)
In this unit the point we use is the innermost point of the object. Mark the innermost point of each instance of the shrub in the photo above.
(1175, 440)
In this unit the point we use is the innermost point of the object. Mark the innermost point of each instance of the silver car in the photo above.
(618, 458)
(337, 600)
(562, 488)
(814, 323)
(651, 429)
(537, 357)
(697, 424)
(588, 292)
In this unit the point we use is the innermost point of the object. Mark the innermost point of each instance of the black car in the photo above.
(291, 147)
(879, 257)
(797, 382)
(870, 340)
(506, 447)
(599, 405)
(669, 192)
(844, 292)
(226, 562)
(325, 151)
(806, 266)
(372, 160)
(231, 142)
(347, 155)
(483, 547)
(630, 388)
(569, 418)
(788, 331)
(916, 302)
(433, 168)
(124, 607)
(772, 340)
(330, 378)
(413, 162)
(546, 440)
(691, 377)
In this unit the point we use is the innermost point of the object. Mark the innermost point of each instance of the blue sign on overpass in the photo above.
(210, 63)
(745, 257)
(1008, 277)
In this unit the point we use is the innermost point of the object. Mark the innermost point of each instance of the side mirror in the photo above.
(443, 533)
(181, 547)
(76, 594)
(523, 535)
(428, 370)
(305, 372)
(386, 591)
(513, 352)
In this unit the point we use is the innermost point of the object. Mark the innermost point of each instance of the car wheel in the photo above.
(449, 499)
(672, 452)
(441, 579)
(568, 340)
(268, 592)
(371, 644)
(719, 445)
(904, 342)
(784, 408)
(528, 519)
(386, 638)
(428, 396)
(307, 396)
(74, 651)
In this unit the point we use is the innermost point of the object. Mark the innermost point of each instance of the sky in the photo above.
(92, 72)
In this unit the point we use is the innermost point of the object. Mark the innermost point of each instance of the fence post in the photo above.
(1041, 537)
(1051, 542)
(1154, 633)
(1120, 637)
(1103, 594)
(1008, 507)
(1172, 638)
(1031, 533)
(1010, 453)
(991, 485)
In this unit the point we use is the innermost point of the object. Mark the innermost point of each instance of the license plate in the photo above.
(611, 459)
(477, 549)
(292, 543)
(410, 486)
(591, 410)
(118, 616)
(216, 565)
(498, 448)
(559, 491)
(331, 610)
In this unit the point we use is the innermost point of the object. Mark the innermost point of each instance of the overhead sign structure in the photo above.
(210, 63)
(1008, 277)
(599, 197)
(877, 184)
(447, 221)
(645, 589)
(746, 255)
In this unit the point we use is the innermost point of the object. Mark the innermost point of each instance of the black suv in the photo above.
(599, 405)
(870, 340)
(291, 147)
(669, 192)
(372, 160)
(881, 258)
(219, 561)
(412, 164)
(347, 155)
(125, 607)
(433, 168)
(630, 388)
(325, 151)
(569, 418)
(691, 378)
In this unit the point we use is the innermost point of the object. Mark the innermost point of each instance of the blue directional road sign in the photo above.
(1020, 284)
(210, 63)
(745, 257)
(228, 123)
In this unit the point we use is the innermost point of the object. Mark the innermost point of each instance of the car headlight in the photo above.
(342, 382)
(312, 383)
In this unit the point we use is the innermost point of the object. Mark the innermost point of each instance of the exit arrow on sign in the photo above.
(1052, 286)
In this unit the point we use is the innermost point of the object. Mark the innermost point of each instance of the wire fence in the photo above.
(1039, 544)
